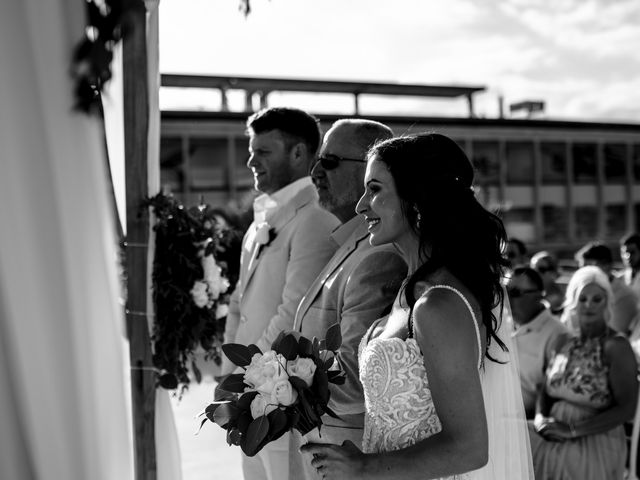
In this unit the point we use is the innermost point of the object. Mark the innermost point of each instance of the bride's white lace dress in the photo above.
(400, 410)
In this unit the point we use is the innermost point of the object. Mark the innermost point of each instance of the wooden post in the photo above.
(136, 124)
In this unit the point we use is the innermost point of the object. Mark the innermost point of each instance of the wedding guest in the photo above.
(591, 390)
(630, 254)
(516, 252)
(442, 394)
(624, 304)
(537, 330)
(283, 251)
(355, 288)
(546, 265)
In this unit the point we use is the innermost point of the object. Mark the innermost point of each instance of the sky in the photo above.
(581, 57)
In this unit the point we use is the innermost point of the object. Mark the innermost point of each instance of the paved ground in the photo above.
(205, 456)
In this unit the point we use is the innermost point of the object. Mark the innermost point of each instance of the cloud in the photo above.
(575, 54)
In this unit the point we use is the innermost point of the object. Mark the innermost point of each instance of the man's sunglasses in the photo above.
(515, 292)
(329, 162)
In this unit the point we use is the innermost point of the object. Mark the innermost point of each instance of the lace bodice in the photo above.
(398, 403)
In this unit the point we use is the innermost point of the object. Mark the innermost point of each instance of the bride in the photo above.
(442, 392)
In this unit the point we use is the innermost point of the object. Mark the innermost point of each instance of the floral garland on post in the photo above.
(191, 282)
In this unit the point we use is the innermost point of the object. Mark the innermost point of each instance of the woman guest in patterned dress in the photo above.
(591, 390)
(441, 395)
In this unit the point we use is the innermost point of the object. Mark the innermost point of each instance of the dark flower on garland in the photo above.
(190, 288)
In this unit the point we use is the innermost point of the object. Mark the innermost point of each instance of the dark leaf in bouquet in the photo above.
(244, 402)
(225, 414)
(321, 385)
(210, 410)
(298, 383)
(322, 346)
(233, 383)
(278, 424)
(328, 357)
(275, 345)
(244, 420)
(305, 347)
(238, 354)
(234, 436)
(256, 434)
(307, 410)
(253, 349)
(204, 420)
(288, 347)
(333, 339)
(336, 377)
(168, 381)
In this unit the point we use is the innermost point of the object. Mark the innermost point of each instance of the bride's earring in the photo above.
(418, 216)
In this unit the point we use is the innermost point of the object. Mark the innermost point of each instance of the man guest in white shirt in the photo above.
(536, 334)
(283, 251)
(355, 288)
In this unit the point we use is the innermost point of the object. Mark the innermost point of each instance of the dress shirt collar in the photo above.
(536, 324)
(264, 206)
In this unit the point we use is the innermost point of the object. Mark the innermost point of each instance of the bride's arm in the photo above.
(445, 332)
(446, 335)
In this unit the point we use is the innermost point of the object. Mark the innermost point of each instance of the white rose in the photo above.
(222, 310)
(260, 407)
(253, 375)
(199, 293)
(303, 368)
(262, 234)
(283, 393)
(213, 276)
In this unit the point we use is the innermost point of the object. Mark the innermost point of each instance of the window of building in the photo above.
(616, 220)
(520, 223)
(635, 158)
(486, 161)
(244, 177)
(554, 223)
(586, 223)
(584, 163)
(519, 162)
(615, 159)
(171, 165)
(554, 162)
(208, 164)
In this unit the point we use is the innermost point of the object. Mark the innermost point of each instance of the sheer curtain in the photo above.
(64, 405)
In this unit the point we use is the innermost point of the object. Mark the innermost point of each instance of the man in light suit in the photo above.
(283, 250)
(356, 287)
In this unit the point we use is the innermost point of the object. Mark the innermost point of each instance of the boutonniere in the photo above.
(265, 234)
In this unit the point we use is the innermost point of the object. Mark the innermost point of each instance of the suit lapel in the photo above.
(345, 250)
(278, 221)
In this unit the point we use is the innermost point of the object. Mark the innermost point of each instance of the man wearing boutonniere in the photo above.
(283, 251)
(354, 289)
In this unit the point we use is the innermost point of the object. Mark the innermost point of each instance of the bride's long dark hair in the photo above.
(434, 179)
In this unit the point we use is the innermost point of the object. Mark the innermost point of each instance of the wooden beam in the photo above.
(136, 124)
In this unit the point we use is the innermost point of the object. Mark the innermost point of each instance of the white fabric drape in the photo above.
(64, 404)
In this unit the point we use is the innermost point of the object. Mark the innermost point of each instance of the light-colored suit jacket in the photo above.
(355, 288)
(274, 278)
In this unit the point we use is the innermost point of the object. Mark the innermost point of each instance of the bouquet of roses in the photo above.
(284, 388)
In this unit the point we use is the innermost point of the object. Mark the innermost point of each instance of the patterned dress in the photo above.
(578, 378)
(399, 407)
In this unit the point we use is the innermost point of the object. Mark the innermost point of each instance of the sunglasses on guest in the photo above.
(329, 162)
(515, 292)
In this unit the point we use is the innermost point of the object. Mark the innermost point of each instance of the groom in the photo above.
(355, 288)
(283, 250)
